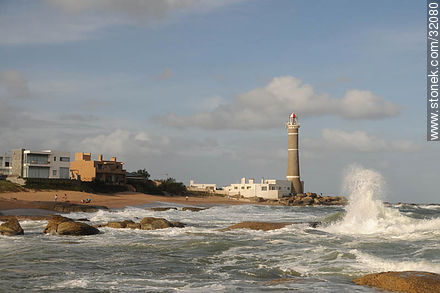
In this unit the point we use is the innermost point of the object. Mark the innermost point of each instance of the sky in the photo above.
(202, 89)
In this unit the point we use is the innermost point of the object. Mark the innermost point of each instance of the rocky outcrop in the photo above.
(162, 209)
(11, 228)
(148, 223)
(151, 223)
(408, 281)
(116, 225)
(64, 207)
(76, 229)
(52, 225)
(192, 209)
(264, 226)
(64, 226)
(309, 198)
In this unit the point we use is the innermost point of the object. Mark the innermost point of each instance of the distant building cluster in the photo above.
(49, 164)
(267, 189)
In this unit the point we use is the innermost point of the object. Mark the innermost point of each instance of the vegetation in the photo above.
(170, 186)
(7, 186)
(70, 184)
(144, 173)
(145, 186)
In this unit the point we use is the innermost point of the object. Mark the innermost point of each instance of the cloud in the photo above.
(357, 141)
(14, 84)
(61, 21)
(269, 106)
(139, 9)
(166, 74)
(141, 144)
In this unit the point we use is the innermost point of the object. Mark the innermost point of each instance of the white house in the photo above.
(40, 164)
(267, 189)
(201, 186)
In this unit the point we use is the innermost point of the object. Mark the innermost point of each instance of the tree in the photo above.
(144, 173)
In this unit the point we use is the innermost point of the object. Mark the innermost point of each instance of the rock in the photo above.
(151, 223)
(65, 207)
(178, 224)
(162, 209)
(265, 226)
(66, 226)
(407, 281)
(192, 209)
(307, 200)
(53, 223)
(116, 225)
(134, 225)
(11, 228)
(76, 229)
(298, 202)
(279, 281)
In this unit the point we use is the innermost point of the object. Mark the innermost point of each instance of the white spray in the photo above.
(365, 212)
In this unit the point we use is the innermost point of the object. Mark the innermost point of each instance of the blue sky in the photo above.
(201, 89)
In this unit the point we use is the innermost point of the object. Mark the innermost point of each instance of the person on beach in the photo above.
(65, 197)
(56, 197)
(186, 198)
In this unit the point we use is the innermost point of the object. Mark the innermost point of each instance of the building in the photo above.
(40, 164)
(201, 186)
(5, 165)
(293, 155)
(267, 189)
(84, 169)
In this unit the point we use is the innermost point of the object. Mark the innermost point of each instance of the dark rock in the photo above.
(76, 229)
(11, 228)
(192, 209)
(178, 224)
(407, 281)
(116, 225)
(162, 209)
(264, 226)
(308, 200)
(151, 223)
(53, 223)
(133, 225)
(66, 226)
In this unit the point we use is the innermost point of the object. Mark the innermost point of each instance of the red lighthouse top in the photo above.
(292, 118)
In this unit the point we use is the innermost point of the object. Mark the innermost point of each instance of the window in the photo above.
(6, 164)
(54, 159)
(99, 166)
(64, 173)
(54, 172)
(264, 188)
(248, 187)
(279, 188)
(288, 188)
(235, 187)
(242, 187)
(37, 159)
(64, 159)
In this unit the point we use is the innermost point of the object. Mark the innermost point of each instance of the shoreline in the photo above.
(35, 199)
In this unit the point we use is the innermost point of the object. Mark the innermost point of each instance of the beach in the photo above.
(20, 200)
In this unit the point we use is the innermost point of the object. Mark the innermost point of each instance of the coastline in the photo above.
(32, 199)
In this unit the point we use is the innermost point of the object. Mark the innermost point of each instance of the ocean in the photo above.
(365, 236)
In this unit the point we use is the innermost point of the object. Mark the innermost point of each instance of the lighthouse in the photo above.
(293, 155)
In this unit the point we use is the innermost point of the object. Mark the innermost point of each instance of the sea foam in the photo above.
(366, 213)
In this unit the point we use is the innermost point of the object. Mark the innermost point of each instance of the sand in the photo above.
(15, 200)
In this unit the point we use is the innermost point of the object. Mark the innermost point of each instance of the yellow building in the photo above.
(84, 169)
